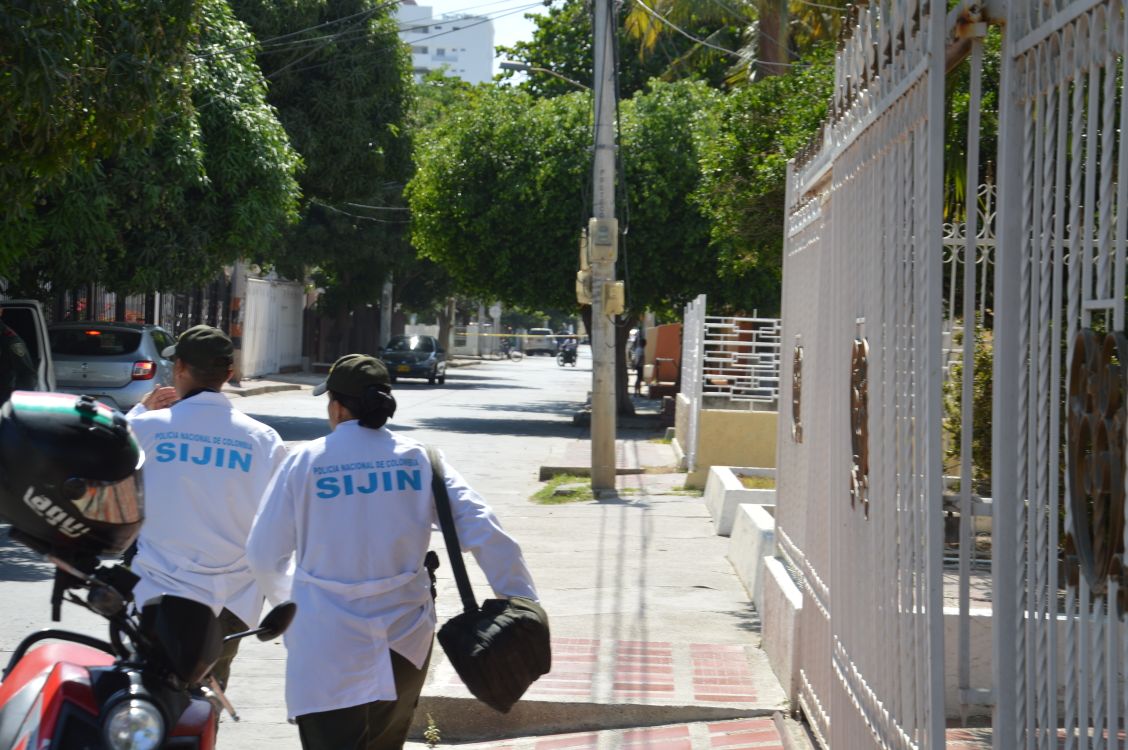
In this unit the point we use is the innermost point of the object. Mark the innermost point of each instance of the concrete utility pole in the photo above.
(603, 245)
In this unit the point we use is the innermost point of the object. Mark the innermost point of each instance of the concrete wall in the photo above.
(732, 438)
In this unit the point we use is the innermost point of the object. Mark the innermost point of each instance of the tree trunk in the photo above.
(771, 42)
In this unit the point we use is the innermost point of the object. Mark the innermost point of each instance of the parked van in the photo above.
(25, 329)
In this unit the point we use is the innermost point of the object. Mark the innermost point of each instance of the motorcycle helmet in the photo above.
(70, 475)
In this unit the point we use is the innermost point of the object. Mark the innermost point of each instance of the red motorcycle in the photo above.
(70, 486)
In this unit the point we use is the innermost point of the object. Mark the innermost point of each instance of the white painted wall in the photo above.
(272, 326)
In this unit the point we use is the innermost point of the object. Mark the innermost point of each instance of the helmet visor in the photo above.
(115, 503)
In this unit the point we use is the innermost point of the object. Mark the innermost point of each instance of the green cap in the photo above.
(202, 346)
(352, 373)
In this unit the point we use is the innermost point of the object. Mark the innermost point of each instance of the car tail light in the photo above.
(144, 370)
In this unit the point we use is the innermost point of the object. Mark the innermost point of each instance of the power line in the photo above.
(685, 33)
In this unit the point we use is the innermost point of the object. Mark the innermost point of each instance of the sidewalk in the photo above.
(654, 639)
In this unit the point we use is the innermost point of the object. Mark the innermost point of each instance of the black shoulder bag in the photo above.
(501, 648)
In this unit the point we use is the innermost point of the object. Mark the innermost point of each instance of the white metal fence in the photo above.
(858, 517)
(874, 289)
(740, 361)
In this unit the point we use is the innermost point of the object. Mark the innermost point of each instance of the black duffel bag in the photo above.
(500, 648)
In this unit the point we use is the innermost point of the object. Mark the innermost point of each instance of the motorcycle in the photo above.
(567, 354)
(147, 687)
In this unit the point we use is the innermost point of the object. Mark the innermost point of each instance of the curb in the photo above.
(468, 720)
(258, 390)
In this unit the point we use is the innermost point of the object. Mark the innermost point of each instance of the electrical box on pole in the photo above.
(603, 239)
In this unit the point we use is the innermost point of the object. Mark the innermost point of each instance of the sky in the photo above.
(509, 22)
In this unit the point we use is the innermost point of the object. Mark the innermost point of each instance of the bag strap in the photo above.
(450, 534)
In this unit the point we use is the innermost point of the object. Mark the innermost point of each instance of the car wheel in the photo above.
(442, 378)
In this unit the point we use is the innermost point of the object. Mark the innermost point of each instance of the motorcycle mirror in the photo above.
(272, 626)
(276, 621)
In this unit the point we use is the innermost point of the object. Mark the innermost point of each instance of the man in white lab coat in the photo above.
(356, 508)
(207, 466)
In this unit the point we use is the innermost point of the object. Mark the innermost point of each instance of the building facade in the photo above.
(459, 44)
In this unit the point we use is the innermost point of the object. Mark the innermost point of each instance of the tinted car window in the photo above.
(94, 342)
(22, 321)
(162, 340)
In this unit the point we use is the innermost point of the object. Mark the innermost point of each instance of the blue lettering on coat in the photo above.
(203, 455)
(368, 483)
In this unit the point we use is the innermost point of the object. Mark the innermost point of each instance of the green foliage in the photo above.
(498, 195)
(744, 168)
(563, 43)
(665, 257)
(982, 379)
(216, 183)
(343, 93)
(78, 78)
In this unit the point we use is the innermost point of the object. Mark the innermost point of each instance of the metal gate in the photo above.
(272, 327)
(1059, 432)
(860, 519)
(859, 460)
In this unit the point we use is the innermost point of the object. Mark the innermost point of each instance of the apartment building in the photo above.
(462, 44)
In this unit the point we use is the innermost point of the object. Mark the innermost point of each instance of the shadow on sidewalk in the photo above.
(18, 563)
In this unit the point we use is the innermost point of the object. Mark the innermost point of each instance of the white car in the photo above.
(540, 341)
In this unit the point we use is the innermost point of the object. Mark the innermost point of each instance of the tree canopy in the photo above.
(215, 183)
(341, 81)
(80, 77)
(563, 43)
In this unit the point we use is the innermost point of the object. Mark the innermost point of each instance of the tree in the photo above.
(340, 79)
(563, 43)
(216, 182)
(78, 78)
(498, 195)
(766, 36)
(758, 129)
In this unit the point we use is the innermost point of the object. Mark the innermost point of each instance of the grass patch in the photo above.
(564, 488)
(757, 483)
(661, 440)
(687, 491)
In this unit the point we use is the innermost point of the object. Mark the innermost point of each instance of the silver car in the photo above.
(117, 363)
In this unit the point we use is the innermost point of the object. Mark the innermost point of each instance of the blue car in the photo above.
(415, 357)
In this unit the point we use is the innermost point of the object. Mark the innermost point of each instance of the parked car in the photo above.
(415, 357)
(27, 328)
(540, 341)
(117, 363)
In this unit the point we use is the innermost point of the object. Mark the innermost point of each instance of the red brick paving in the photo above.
(646, 672)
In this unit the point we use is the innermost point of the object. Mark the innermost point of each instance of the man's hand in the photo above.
(160, 398)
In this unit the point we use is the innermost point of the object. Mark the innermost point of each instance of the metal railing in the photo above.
(740, 360)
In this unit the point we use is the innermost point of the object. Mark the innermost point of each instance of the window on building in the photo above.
(419, 49)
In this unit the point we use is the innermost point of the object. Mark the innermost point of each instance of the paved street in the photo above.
(655, 642)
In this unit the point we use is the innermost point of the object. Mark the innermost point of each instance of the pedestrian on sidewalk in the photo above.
(639, 357)
(207, 468)
(355, 510)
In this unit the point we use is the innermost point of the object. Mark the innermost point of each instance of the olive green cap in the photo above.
(202, 346)
(352, 373)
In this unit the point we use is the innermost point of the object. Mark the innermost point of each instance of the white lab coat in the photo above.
(357, 508)
(206, 468)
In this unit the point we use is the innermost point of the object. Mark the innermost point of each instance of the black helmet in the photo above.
(70, 479)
